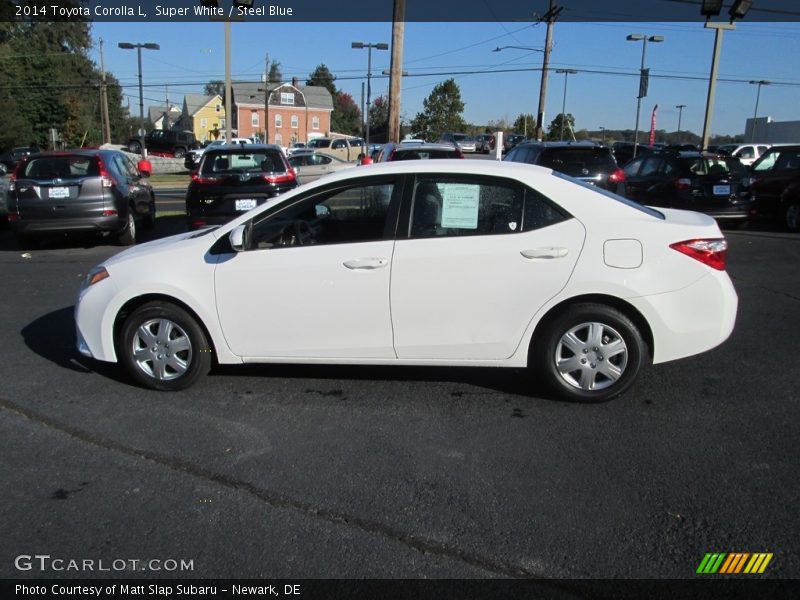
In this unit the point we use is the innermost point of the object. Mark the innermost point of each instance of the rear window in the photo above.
(635, 205)
(573, 161)
(61, 167)
(713, 166)
(240, 162)
(417, 154)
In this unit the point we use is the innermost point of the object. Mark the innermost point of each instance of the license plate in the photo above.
(722, 190)
(59, 192)
(245, 203)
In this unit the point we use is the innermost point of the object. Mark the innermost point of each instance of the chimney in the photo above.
(295, 82)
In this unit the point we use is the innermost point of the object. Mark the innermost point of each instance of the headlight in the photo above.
(96, 275)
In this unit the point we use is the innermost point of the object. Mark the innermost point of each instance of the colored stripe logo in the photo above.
(734, 563)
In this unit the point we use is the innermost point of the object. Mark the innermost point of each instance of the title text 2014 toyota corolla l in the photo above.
(421, 263)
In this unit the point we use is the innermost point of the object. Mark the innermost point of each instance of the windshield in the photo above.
(415, 154)
(713, 166)
(635, 205)
(574, 161)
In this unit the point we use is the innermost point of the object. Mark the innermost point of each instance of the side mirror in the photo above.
(145, 167)
(238, 237)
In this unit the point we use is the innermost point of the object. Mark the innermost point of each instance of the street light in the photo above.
(369, 47)
(644, 76)
(603, 132)
(680, 108)
(138, 47)
(567, 73)
(755, 114)
(543, 82)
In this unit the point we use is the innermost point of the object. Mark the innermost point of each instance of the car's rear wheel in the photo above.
(135, 147)
(128, 235)
(588, 353)
(793, 215)
(180, 152)
(163, 347)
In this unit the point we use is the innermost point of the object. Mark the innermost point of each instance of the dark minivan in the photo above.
(233, 179)
(80, 191)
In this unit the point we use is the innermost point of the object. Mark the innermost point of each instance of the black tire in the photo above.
(155, 368)
(149, 220)
(127, 237)
(179, 152)
(135, 147)
(598, 375)
(792, 216)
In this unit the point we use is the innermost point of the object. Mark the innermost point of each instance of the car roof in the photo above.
(582, 144)
(245, 148)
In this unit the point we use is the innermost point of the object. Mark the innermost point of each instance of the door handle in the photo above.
(366, 264)
(545, 252)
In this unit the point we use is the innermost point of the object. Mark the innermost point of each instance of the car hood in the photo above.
(157, 247)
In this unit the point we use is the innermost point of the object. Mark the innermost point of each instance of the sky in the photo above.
(602, 94)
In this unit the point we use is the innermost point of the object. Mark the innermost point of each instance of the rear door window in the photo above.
(574, 161)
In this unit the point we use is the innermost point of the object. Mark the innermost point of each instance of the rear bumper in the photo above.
(692, 320)
(34, 226)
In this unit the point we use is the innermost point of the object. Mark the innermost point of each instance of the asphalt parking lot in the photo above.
(295, 471)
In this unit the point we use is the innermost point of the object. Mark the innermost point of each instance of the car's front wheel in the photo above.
(127, 237)
(163, 347)
(588, 353)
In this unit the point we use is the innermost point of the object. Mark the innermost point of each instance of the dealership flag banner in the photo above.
(653, 125)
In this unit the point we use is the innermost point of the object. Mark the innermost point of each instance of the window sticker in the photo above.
(460, 208)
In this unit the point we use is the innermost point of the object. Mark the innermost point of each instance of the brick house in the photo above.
(295, 113)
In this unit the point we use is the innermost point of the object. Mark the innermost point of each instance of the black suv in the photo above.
(231, 180)
(716, 185)
(10, 158)
(587, 161)
(162, 141)
(80, 191)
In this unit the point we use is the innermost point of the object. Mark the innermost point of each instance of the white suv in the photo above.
(746, 153)
(193, 156)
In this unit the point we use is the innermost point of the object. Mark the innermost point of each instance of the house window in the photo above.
(254, 119)
(279, 139)
(287, 98)
(218, 108)
(315, 122)
(295, 122)
(222, 123)
(278, 120)
(203, 123)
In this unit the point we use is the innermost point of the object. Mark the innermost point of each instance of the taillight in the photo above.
(391, 155)
(110, 213)
(106, 180)
(712, 252)
(287, 178)
(682, 184)
(617, 176)
(213, 180)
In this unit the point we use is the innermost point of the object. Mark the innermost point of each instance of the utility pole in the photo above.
(266, 99)
(719, 29)
(104, 97)
(396, 77)
(550, 16)
(680, 108)
(363, 114)
(228, 94)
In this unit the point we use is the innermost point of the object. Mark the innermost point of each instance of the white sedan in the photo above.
(421, 263)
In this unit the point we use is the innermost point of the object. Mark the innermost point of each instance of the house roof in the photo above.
(194, 102)
(154, 113)
(253, 93)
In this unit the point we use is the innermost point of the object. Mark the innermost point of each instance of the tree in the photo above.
(379, 119)
(274, 74)
(323, 77)
(441, 111)
(346, 116)
(215, 87)
(525, 124)
(554, 129)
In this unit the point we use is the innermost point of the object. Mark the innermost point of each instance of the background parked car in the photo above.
(512, 140)
(775, 183)
(716, 185)
(80, 191)
(484, 142)
(746, 153)
(461, 140)
(192, 158)
(164, 141)
(10, 158)
(349, 149)
(587, 161)
(393, 152)
(310, 165)
(233, 179)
